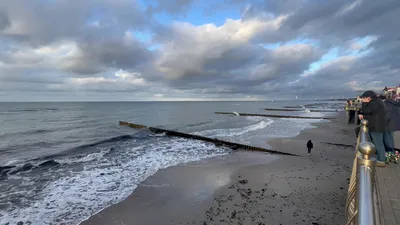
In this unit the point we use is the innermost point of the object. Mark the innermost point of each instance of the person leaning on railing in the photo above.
(373, 110)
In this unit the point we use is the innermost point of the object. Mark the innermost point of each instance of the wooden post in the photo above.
(346, 108)
(355, 117)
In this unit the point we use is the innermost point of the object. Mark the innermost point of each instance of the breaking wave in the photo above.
(106, 177)
(236, 131)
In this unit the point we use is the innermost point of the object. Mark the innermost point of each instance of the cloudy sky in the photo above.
(85, 50)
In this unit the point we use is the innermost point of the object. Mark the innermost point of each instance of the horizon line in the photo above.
(327, 99)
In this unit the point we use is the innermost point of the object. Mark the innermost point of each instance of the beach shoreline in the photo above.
(247, 187)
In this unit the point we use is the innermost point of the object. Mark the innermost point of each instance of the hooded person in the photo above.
(373, 110)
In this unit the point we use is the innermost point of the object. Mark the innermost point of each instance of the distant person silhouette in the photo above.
(309, 146)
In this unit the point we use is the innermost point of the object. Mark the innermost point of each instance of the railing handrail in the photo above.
(360, 199)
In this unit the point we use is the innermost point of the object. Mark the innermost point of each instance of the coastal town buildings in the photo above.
(392, 92)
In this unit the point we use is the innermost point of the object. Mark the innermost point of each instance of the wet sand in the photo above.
(249, 187)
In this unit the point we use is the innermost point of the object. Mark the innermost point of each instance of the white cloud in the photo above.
(348, 8)
(91, 80)
(130, 77)
(193, 48)
(120, 77)
(158, 95)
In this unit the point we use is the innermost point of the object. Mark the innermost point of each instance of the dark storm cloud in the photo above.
(97, 27)
(386, 53)
(346, 19)
(335, 22)
(95, 57)
(4, 21)
(170, 6)
(35, 77)
(42, 22)
(236, 66)
(345, 76)
(252, 9)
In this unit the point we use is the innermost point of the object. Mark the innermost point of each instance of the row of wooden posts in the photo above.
(228, 144)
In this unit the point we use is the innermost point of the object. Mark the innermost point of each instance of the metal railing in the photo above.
(360, 204)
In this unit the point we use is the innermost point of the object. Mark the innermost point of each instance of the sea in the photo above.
(62, 162)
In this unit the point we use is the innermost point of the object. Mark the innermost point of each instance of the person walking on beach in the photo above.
(309, 146)
(373, 110)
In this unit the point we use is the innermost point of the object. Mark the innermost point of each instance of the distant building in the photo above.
(392, 92)
(357, 102)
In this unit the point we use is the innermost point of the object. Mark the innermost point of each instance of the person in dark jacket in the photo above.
(392, 110)
(310, 145)
(373, 110)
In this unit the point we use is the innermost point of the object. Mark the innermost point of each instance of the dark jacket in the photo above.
(310, 144)
(374, 112)
(392, 115)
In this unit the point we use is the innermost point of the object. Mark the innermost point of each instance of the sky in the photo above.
(162, 50)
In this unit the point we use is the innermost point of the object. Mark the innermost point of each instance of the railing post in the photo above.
(365, 179)
(348, 115)
(355, 116)
(346, 108)
(364, 132)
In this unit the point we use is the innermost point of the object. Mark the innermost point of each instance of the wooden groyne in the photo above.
(293, 107)
(273, 116)
(217, 142)
(300, 110)
(286, 110)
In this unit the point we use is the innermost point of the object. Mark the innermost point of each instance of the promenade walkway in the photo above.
(388, 187)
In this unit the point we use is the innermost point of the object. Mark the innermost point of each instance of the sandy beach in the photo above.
(248, 187)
